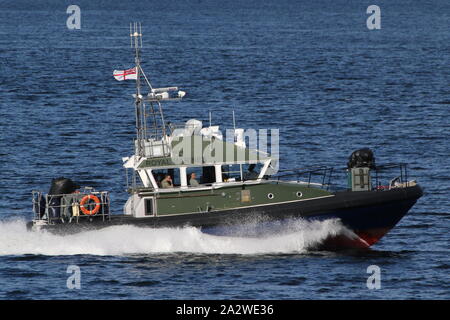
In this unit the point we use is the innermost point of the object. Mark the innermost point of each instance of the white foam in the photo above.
(123, 240)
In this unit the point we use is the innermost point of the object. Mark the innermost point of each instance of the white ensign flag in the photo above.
(129, 74)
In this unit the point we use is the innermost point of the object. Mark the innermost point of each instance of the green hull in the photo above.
(230, 197)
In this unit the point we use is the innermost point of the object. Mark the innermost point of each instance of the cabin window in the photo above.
(208, 175)
(231, 172)
(149, 206)
(133, 178)
(160, 174)
(196, 176)
(251, 171)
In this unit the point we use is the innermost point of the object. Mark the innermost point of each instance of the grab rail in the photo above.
(382, 175)
(61, 208)
(324, 172)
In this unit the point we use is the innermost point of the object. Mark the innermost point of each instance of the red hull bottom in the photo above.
(363, 240)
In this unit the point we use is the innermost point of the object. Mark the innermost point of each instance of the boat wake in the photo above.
(298, 236)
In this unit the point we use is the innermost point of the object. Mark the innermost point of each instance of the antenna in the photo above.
(234, 120)
(150, 123)
(235, 140)
(140, 33)
(136, 35)
(136, 44)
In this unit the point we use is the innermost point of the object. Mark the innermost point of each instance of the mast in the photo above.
(148, 105)
(136, 44)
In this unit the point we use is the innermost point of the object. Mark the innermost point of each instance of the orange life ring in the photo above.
(86, 199)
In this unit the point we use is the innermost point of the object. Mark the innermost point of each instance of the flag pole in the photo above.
(140, 109)
(158, 130)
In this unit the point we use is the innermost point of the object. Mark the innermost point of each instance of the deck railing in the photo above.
(316, 176)
(60, 208)
(383, 177)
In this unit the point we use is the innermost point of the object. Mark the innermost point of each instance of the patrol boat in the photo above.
(190, 175)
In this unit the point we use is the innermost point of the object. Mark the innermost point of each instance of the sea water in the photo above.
(313, 70)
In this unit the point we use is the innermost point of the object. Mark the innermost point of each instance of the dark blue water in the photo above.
(310, 68)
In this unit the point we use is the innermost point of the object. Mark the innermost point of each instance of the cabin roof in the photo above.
(201, 151)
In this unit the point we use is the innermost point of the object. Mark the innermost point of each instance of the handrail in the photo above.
(326, 173)
(56, 208)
